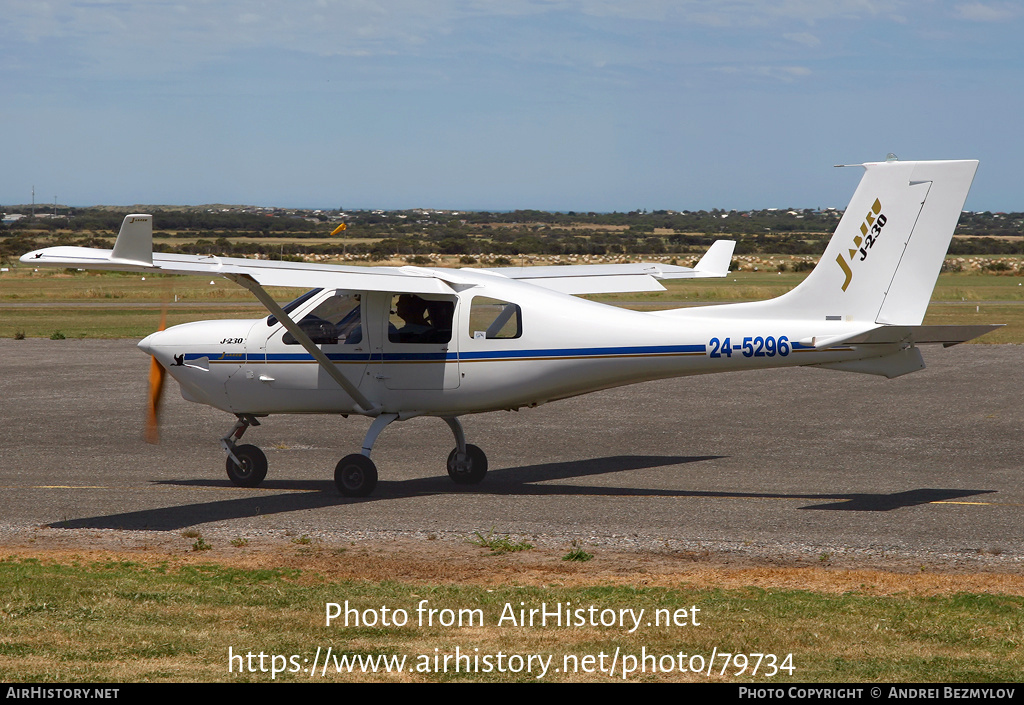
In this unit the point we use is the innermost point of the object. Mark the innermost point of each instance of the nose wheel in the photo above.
(246, 464)
(251, 468)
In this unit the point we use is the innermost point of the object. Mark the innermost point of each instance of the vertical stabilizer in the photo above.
(134, 244)
(882, 262)
(883, 259)
(716, 261)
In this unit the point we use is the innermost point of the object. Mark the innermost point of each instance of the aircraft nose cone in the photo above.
(147, 344)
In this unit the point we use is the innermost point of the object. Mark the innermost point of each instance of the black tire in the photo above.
(472, 475)
(253, 469)
(355, 475)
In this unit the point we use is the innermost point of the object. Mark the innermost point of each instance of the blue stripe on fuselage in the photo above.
(473, 356)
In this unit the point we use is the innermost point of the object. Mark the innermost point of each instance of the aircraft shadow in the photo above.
(516, 481)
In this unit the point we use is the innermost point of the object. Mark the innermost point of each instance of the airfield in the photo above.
(781, 467)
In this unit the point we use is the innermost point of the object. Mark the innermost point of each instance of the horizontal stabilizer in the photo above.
(916, 335)
(900, 363)
(949, 335)
(904, 361)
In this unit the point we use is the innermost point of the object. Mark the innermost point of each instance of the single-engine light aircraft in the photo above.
(393, 343)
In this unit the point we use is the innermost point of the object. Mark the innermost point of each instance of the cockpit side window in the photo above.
(337, 319)
(415, 319)
(491, 319)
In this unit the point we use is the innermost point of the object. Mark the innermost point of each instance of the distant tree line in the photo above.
(109, 220)
(379, 235)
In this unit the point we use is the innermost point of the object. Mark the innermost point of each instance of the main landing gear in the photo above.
(355, 475)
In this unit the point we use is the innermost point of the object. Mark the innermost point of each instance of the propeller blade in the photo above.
(156, 390)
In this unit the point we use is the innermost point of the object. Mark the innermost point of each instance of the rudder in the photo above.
(908, 294)
(883, 259)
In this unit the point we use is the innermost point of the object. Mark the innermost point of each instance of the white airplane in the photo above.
(394, 343)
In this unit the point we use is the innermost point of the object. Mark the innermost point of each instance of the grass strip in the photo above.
(132, 621)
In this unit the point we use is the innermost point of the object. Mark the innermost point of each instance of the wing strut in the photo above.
(260, 293)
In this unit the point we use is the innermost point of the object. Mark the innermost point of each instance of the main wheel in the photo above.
(471, 471)
(355, 475)
(253, 466)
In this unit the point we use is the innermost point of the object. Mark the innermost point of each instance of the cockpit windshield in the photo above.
(336, 319)
(292, 305)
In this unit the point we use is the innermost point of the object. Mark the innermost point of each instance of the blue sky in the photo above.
(471, 104)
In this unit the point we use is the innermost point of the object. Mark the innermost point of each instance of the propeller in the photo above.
(156, 390)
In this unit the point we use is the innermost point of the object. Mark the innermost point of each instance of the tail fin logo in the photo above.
(870, 230)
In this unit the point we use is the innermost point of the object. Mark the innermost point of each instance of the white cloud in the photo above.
(322, 26)
(987, 12)
(605, 40)
(786, 74)
(805, 38)
(314, 26)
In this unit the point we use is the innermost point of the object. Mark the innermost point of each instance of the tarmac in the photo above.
(777, 465)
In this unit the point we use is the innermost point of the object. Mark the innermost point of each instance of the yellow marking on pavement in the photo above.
(68, 487)
(188, 487)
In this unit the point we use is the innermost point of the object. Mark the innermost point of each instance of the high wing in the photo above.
(619, 278)
(133, 251)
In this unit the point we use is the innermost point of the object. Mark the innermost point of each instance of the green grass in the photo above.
(755, 286)
(578, 554)
(121, 322)
(1010, 315)
(498, 543)
(978, 287)
(122, 621)
(23, 284)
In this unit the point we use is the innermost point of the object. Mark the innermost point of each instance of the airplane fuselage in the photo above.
(559, 346)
